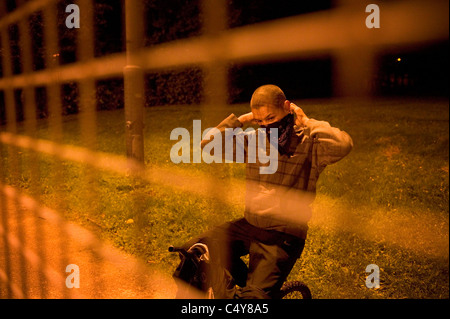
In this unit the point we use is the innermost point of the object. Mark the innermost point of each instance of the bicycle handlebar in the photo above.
(174, 249)
(181, 250)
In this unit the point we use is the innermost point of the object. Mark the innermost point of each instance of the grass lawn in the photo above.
(386, 203)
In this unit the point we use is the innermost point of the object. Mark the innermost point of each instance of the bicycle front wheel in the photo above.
(295, 290)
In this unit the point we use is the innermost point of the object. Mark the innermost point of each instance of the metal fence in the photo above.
(33, 258)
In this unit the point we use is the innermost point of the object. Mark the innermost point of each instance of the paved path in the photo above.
(36, 246)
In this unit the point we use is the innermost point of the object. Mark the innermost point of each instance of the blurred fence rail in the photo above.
(403, 23)
(339, 33)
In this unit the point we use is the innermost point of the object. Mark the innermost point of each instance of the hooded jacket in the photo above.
(281, 200)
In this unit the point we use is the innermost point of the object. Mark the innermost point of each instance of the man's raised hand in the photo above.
(246, 118)
(301, 117)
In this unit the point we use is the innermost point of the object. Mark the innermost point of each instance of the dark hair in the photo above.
(268, 94)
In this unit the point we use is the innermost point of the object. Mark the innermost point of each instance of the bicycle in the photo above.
(194, 268)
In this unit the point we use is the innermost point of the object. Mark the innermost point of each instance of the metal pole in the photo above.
(354, 64)
(215, 91)
(134, 81)
(215, 72)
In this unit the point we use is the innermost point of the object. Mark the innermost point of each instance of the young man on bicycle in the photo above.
(277, 205)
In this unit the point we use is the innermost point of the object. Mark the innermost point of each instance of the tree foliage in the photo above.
(165, 20)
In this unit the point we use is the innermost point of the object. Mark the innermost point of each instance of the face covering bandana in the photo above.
(285, 127)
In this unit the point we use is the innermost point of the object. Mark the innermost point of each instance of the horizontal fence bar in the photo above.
(402, 24)
(98, 68)
(314, 34)
(124, 166)
(23, 12)
(82, 155)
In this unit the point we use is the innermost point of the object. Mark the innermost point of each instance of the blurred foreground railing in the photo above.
(339, 33)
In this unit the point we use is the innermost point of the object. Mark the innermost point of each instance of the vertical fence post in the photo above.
(354, 63)
(215, 89)
(215, 72)
(134, 81)
(13, 161)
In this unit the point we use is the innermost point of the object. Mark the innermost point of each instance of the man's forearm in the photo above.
(246, 118)
(230, 122)
(333, 145)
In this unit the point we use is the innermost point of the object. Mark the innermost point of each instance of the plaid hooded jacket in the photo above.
(281, 200)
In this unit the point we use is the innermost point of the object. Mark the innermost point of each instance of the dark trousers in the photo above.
(272, 255)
